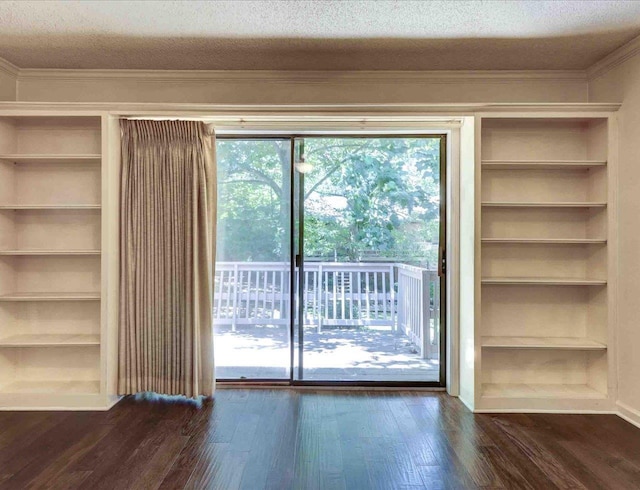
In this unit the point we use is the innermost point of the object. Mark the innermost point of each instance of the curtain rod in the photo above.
(309, 123)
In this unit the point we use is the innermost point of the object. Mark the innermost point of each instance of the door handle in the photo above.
(442, 261)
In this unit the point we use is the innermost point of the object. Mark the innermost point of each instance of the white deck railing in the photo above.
(400, 296)
(418, 307)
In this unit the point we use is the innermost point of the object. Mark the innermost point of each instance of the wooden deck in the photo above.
(334, 354)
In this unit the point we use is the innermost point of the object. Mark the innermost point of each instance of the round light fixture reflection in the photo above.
(304, 167)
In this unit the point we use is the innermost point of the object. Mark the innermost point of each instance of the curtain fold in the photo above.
(167, 258)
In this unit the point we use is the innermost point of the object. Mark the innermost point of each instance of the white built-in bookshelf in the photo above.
(51, 262)
(544, 249)
(540, 270)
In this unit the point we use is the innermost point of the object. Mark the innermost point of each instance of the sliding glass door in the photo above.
(371, 215)
(360, 222)
(252, 301)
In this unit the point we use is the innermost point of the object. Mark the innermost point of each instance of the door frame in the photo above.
(444, 137)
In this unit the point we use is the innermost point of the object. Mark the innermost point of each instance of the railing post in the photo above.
(425, 315)
(435, 278)
(392, 290)
(320, 294)
(401, 317)
(235, 297)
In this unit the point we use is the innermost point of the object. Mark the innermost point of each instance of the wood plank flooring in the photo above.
(285, 439)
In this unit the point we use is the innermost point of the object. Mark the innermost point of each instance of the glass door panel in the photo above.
(252, 298)
(368, 279)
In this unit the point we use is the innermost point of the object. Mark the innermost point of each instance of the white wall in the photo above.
(320, 88)
(329, 88)
(467, 267)
(617, 79)
(242, 87)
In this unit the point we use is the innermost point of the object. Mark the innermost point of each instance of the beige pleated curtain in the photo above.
(168, 193)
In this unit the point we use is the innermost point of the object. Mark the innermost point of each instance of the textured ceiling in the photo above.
(315, 35)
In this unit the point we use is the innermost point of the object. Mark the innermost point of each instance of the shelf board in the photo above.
(45, 386)
(49, 340)
(48, 206)
(513, 204)
(50, 297)
(542, 164)
(539, 390)
(547, 241)
(48, 252)
(563, 343)
(53, 158)
(543, 281)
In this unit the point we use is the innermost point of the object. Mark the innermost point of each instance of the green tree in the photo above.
(364, 198)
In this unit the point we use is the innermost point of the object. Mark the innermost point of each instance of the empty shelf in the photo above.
(50, 297)
(44, 386)
(49, 206)
(49, 340)
(53, 158)
(48, 252)
(547, 241)
(566, 343)
(542, 164)
(512, 204)
(543, 281)
(538, 390)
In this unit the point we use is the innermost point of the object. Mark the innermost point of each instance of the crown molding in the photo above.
(614, 59)
(300, 110)
(9, 68)
(265, 76)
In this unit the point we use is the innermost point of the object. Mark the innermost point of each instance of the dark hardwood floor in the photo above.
(283, 439)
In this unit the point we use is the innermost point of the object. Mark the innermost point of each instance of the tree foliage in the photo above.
(365, 199)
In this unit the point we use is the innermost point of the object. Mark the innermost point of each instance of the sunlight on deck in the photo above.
(336, 354)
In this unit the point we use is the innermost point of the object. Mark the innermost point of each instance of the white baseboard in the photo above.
(466, 404)
(56, 408)
(628, 413)
(113, 400)
(623, 411)
(527, 410)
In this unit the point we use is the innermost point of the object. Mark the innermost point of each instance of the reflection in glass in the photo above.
(371, 237)
(252, 295)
